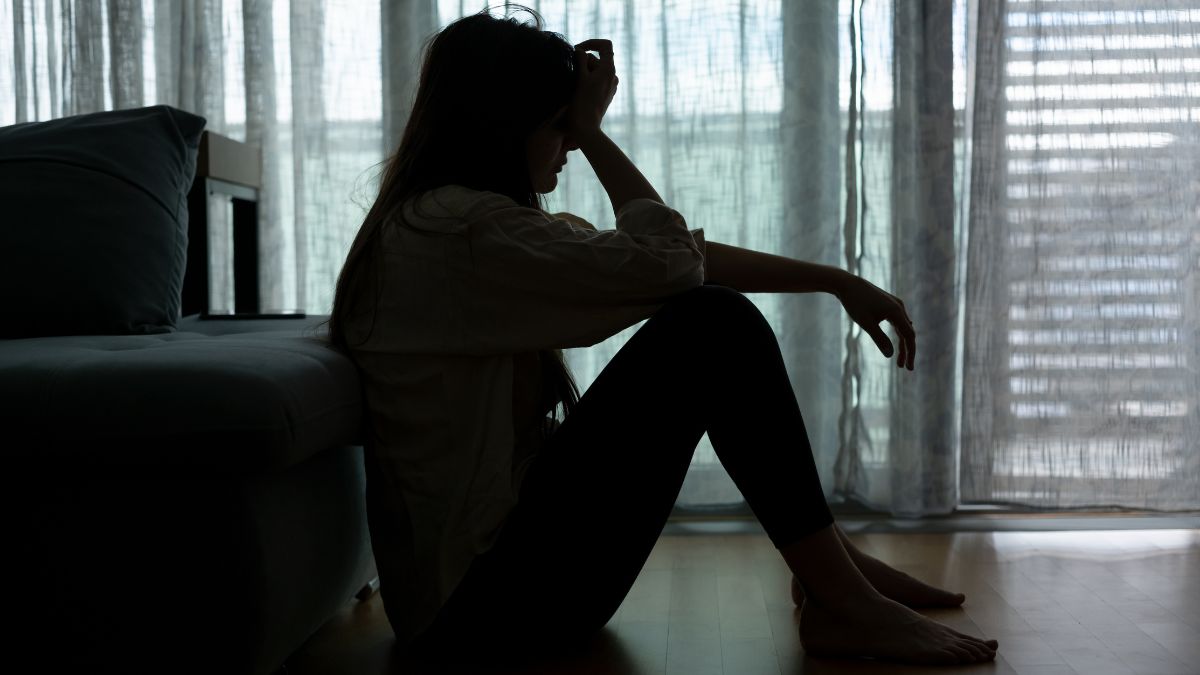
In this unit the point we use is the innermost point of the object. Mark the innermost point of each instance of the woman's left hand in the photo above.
(868, 305)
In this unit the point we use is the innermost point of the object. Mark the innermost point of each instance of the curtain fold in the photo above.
(262, 129)
(86, 56)
(849, 470)
(985, 330)
(20, 78)
(923, 258)
(53, 48)
(406, 26)
(125, 53)
(811, 126)
(309, 134)
(170, 44)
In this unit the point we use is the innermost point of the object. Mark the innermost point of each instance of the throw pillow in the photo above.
(93, 222)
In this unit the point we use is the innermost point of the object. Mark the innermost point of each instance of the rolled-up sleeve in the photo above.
(534, 281)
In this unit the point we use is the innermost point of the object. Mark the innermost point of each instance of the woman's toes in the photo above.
(991, 644)
(988, 653)
(977, 650)
(961, 655)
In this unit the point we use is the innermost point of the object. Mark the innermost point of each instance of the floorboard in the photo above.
(1060, 603)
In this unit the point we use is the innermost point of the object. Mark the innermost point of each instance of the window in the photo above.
(1097, 224)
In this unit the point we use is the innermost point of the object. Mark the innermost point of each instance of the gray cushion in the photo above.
(93, 236)
(242, 402)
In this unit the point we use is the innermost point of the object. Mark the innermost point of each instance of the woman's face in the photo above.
(547, 150)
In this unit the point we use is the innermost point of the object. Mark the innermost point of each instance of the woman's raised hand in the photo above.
(868, 305)
(597, 86)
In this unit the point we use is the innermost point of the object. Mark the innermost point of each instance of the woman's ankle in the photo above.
(825, 570)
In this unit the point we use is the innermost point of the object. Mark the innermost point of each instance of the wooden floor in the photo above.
(1085, 602)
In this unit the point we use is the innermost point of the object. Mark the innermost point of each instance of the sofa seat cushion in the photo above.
(241, 402)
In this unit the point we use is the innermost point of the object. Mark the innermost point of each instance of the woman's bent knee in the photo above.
(714, 306)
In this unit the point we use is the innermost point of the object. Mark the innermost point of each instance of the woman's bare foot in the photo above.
(895, 585)
(889, 581)
(901, 587)
(846, 615)
(888, 631)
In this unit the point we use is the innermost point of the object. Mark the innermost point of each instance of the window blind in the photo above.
(1095, 223)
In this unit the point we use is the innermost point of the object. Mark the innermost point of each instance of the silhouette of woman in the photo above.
(500, 530)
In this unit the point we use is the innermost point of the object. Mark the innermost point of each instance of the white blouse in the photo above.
(472, 278)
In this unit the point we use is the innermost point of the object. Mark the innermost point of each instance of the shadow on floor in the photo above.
(603, 655)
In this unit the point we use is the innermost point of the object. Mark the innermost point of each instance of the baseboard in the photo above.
(957, 522)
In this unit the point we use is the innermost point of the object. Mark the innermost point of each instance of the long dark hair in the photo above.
(486, 84)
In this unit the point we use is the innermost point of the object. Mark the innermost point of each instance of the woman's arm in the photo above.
(754, 272)
(741, 269)
(593, 94)
(617, 173)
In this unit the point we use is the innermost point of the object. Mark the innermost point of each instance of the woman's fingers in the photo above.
(881, 340)
(912, 347)
(905, 332)
(596, 87)
(908, 346)
(907, 337)
(869, 306)
(586, 60)
(604, 47)
(589, 66)
(906, 342)
(586, 63)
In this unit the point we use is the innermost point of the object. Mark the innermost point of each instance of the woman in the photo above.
(495, 526)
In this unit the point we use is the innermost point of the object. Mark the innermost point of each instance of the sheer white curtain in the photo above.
(1024, 174)
(867, 134)
(822, 131)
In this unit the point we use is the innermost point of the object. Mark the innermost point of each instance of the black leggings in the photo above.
(594, 502)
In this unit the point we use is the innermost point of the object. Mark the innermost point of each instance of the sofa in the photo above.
(184, 494)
